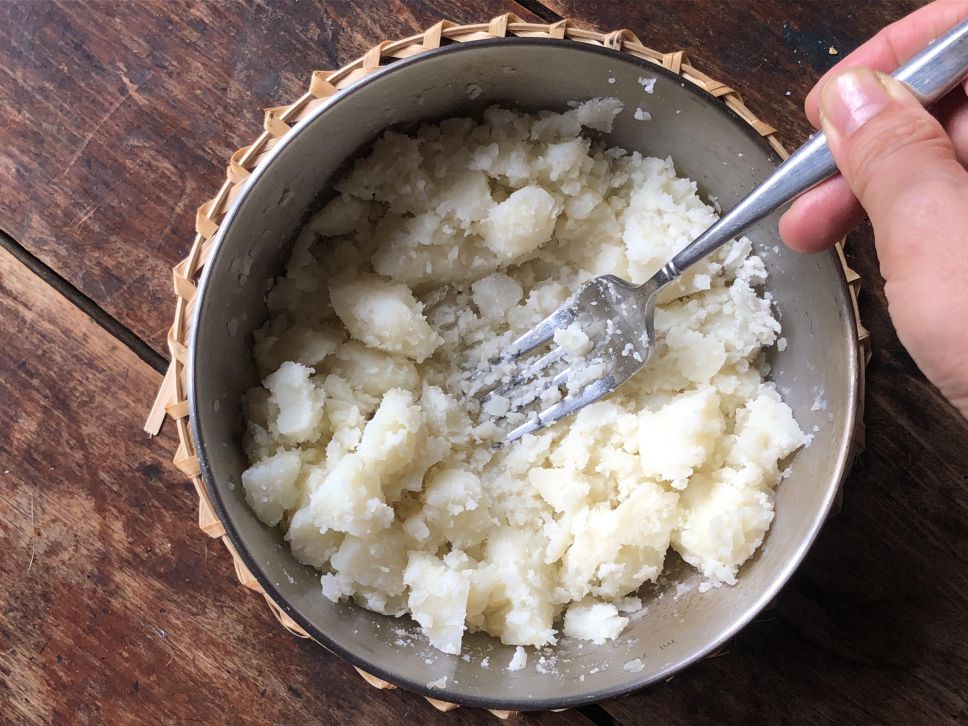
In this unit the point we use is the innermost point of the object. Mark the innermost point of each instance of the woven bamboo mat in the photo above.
(324, 86)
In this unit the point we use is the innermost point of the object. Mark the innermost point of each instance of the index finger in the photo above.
(895, 44)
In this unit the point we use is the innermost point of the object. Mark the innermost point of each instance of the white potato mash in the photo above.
(367, 448)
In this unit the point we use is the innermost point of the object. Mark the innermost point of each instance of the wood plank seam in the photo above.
(78, 299)
(541, 10)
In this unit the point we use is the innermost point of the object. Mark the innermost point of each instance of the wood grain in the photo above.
(761, 49)
(114, 607)
(117, 120)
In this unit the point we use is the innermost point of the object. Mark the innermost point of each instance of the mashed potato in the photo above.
(370, 450)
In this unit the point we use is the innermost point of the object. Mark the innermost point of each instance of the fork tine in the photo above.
(541, 333)
(554, 384)
(562, 378)
(530, 371)
(565, 406)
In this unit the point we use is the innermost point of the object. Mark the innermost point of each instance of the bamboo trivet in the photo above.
(324, 86)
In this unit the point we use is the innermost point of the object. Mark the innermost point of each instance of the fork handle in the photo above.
(930, 75)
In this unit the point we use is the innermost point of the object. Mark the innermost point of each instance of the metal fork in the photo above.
(618, 316)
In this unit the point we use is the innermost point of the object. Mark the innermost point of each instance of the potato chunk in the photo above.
(438, 600)
(520, 224)
(676, 440)
(298, 401)
(391, 437)
(310, 544)
(348, 499)
(384, 315)
(270, 486)
(722, 526)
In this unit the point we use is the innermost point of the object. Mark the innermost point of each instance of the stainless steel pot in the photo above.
(710, 144)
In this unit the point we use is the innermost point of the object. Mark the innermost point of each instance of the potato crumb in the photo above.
(573, 340)
(519, 660)
(594, 621)
(633, 666)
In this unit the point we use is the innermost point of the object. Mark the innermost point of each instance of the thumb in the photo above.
(886, 145)
(898, 161)
(901, 165)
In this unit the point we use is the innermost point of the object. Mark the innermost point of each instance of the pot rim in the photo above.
(447, 693)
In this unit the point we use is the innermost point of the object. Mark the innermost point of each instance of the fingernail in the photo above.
(851, 99)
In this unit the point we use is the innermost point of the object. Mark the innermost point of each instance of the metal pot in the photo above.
(708, 143)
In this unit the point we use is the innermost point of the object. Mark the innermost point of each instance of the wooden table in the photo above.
(116, 121)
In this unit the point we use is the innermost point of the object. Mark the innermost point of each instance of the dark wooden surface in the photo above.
(116, 120)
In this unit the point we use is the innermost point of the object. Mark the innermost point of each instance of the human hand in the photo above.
(906, 170)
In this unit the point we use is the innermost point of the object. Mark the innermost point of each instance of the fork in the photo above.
(618, 316)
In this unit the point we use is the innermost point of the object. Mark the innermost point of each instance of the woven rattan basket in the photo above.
(323, 88)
